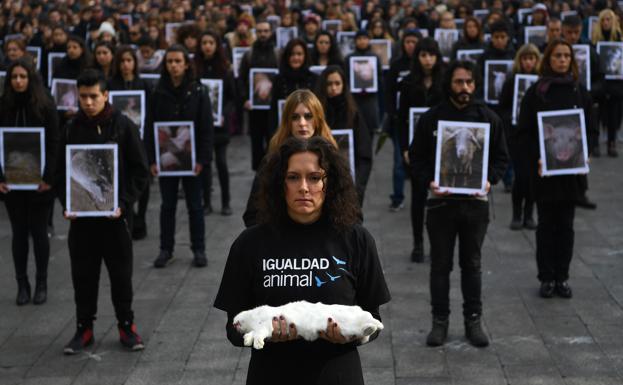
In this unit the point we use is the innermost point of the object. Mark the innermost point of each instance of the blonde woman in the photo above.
(302, 117)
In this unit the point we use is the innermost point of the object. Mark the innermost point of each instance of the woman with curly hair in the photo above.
(308, 246)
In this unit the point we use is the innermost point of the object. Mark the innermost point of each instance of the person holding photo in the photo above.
(104, 53)
(452, 216)
(179, 96)
(326, 52)
(26, 103)
(557, 89)
(472, 36)
(93, 239)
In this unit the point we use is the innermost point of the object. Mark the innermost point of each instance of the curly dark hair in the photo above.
(340, 207)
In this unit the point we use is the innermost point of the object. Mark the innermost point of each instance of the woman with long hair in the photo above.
(325, 51)
(26, 103)
(472, 36)
(557, 89)
(104, 54)
(77, 60)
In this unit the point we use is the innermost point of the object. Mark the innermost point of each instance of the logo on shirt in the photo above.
(300, 272)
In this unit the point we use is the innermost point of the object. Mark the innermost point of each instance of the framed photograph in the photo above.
(126, 19)
(132, 104)
(462, 157)
(261, 87)
(35, 52)
(151, 79)
(565, 14)
(332, 26)
(54, 59)
(414, 117)
(472, 55)
(592, 22)
(522, 14)
(481, 14)
(496, 72)
(317, 69)
(459, 23)
(215, 90)
(237, 54)
(346, 42)
(422, 31)
(170, 32)
(582, 53)
(65, 93)
(446, 39)
(175, 148)
(356, 11)
(280, 104)
(611, 58)
(486, 37)
(383, 49)
(363, 74)
(22, 156)
(92, 179)
(2, 78)
(274, 21)
(285, 34)
(522, 83)
(345, 139)
(562, 142)
(535, 34)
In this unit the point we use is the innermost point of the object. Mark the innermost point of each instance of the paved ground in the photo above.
(534, 341)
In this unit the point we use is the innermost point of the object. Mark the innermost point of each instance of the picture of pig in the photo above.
(563, 142)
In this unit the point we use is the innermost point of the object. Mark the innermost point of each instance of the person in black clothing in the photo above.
(92, 240)
(26, 103)
(422, 88)
(104, 53)
(180, 97)
(472, 36)
(262, 55)
(77, 60)
(326, 52)
(308, 213)
(452, 216)
(500, 47)
(211, 63)
(555, 196)
(341, 113)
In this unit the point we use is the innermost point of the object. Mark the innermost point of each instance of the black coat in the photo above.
(221, 135)
(399, 69)
(259, 56)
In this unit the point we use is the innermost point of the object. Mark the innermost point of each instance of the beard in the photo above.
(461, 98)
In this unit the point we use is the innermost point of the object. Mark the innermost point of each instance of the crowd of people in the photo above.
(290, 74)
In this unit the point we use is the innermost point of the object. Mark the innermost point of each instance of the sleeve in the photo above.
(371, 288)
(363, 154)
(61, 171)
(498, 153)
(421, 151)
(527, 133)
(250, 213)
(392, 89)
(205, 141)
(148, 135)
(403, 116)
(137, 171)
(51, 144)
(243, 76)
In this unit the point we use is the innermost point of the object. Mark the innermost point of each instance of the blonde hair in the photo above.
(525, 50)
(309, 100)
(615, 32)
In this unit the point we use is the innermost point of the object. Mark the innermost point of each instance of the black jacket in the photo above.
(399, 69)
(261, 55)
(221, 135)
(286, 82)
(68, 69)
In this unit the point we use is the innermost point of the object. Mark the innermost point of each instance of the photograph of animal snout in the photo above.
(611, 59)
(462, 156)
(496, 72)
(562, 141)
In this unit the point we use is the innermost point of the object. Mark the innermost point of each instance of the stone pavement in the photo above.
(534, 341)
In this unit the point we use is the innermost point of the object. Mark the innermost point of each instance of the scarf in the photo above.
(546, 82)
(91, 123)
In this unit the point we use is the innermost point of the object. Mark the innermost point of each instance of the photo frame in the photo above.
(317, 69)
(383, 49)
(446, 39)
(522, 14)
(414, 117)
(466, 174)
(22, 156)
(582, 53)
(535, 34)
(175, 148)
(285, 34)
(170, 32)
(35, 52)
(236, 55)
(481, 14)
(92, 180)
(280, 104)
(472, 55)
(459, 23)
(496, 72)
(562, 142)
(126, 18)
(611, 59)
(65, 94)
(332, 26)
(521, 85)
(132, 104)
(592, 22)
(54, 59)
(363, 74)
(565, 14)
(151, 79)
(274, 21)
(345, 139)
(261, 82)
(346, 42)
(215, 90)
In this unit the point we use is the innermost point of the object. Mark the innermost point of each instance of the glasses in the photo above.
(307, 116)
(314, 181)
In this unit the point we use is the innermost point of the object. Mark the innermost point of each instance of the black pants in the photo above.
(192, 193)
(610, 114)
(220, 156)
(260, 135)
(92, 240)
(143, 202)
(523, 205)
(554, 240)
(446, 220)
(418, 204)
(29, 217)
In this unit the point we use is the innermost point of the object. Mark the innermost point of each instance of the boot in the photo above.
(474, 333)
(528, 222)
(23, 292)
(439, 332)
(516, 221)
(41, 291)
(417, 255)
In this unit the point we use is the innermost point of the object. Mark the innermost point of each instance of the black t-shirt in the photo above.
(275, 265)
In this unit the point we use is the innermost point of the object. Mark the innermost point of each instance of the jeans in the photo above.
(446, 220)
(398, 173)
(192, 193)
(260, 135)
(554, 240)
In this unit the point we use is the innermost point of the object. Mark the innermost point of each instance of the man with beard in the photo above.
(261, 55)
(452, 216)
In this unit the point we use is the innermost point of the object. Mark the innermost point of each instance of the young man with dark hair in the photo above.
(92, 240)
(501, 45)
(453, 216)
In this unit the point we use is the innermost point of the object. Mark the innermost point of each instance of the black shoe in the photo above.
(140, 230)
(207, 209)
(394, 207)
(226, 211)
(41, 292)
(586, 204)
(612, 150)
(128, 336)
(438, 333)
(199, 258)
(417, 255)
(164, 258)
(563, 289)
(547, 289)
(23, 292)
(474, 333)
(516, 224)
(82, 339)
(530, 224)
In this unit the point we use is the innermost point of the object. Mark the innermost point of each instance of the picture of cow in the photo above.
(582, 58)
(562, 139)
(496, 72)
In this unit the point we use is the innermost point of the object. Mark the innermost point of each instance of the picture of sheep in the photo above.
(582, 58)
(175, 148)
(562, 142)
(462, 156)
(92, 177)
(346, 142)
(611, 59)
(261, 87)
(215, 88)
(496, 72)
(22, 157)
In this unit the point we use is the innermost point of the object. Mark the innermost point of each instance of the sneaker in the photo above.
(563, 289)
(547, 289)
(530, 224)
(474, 333)
(199, 258)
(82, 339)
(164, 258)
(226, 211)
(438, 333)
(128, 336)
(395, 207)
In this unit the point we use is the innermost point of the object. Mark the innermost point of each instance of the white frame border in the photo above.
(509, 64)
(351, 146)
(141, 93)
(516, 102)
(252, 72)
(375, 86)
(567, 171)
(218, 115)
(530, 29)
(587, 48)
(388, 48)
(193, 152)
(56, 81)
(51, 56)
(414, 111)
(41, 132)
(611, 44)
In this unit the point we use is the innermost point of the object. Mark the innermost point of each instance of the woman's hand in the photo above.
(154, 169)
(333, 334)
(4, 188)
(434, 188)
(282, 332)
(43, 187)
